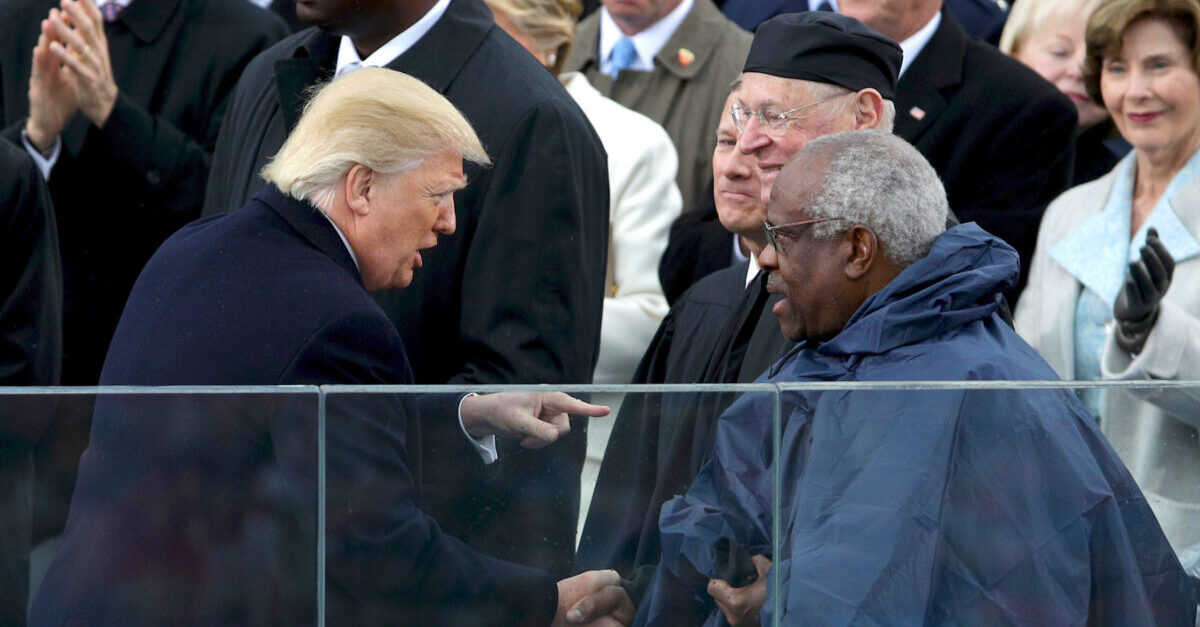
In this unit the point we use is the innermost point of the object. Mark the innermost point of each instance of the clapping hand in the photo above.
(1136, 308)
(77, 41)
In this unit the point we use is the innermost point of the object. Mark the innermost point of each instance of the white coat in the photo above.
(644, 201)
(1153, 430)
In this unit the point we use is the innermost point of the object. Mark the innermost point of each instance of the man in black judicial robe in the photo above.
(515, 295)
(30, 354)
(722, 330)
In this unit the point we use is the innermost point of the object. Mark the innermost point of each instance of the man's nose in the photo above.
(752, 139)
(768, 258)
(447, 222)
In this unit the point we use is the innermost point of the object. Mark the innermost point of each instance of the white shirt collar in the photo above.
(345, 242)
(752, 271)
(648, 42)
(916, 43)
(348, 58)
(813, 4)
(738, 257)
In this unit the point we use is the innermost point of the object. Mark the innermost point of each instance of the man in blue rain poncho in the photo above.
(903, 507)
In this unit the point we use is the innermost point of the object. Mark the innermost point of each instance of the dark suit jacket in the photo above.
(202, 510)
(982, 18)
(515, 295)
(1000, 136)
(30, 353)
(119, 192)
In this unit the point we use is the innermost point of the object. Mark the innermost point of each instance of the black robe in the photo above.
(720, 331)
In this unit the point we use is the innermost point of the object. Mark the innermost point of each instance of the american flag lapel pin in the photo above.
(918, 113)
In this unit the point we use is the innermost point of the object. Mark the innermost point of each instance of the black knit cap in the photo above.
(826, 47)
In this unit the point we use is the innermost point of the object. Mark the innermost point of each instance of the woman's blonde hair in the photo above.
(1027, 16)
(549, 24)
(382, 119)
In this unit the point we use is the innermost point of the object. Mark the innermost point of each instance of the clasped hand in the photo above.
(71, 72)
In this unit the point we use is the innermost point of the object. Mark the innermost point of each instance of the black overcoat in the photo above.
(1001, 137)
(200, 509)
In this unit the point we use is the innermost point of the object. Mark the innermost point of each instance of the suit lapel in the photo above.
(437, 58)
(938, 68)
(312, 63)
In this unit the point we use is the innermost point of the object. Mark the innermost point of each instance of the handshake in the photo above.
(594, 598)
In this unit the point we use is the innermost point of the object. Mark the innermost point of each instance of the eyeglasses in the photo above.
(772, 230)
(771, 121)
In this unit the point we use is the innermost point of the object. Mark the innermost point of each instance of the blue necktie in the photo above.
(825, 6)
(622, 56)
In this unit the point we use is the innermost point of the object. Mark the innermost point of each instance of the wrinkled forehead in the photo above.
(766, 90)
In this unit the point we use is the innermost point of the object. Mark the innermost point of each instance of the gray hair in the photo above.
(878, 180)
(821, 91)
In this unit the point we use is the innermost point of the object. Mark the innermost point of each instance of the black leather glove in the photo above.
(1136, 309)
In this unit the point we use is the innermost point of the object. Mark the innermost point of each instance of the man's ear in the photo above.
(868, 109)
(862, 251)
(357, 184)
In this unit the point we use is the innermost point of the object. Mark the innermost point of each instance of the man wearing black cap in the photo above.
(807, 75)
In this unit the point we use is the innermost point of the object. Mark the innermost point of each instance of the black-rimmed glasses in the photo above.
(771, 229)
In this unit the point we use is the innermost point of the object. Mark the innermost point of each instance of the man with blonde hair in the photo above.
(516, 294)
(208, 510)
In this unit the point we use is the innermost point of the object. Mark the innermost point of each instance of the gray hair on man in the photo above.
(878, 180)
(382, 119)
(836, 95)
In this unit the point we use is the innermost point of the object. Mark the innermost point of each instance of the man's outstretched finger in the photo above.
(564, 403)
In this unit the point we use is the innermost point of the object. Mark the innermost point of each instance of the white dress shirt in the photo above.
(647, 42)
(917, 42)
(348, 58)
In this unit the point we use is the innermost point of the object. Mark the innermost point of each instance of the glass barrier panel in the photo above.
(988, 502)
(899, 502)
(159, 506)
(424, 528)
